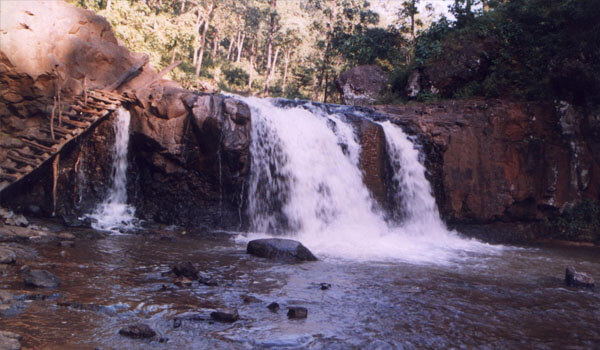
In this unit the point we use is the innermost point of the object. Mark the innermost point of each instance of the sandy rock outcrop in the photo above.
(361, 85)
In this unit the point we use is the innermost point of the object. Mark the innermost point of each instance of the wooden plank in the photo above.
(88, 110)
(162, 73)
(20, 159)
(76, 123)
(14, 170)
(24, 154)
(37, 146)
(8, 177)
(130, 73)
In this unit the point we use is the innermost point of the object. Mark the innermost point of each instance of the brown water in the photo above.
(514, 300)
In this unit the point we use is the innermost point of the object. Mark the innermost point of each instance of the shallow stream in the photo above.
(511, 299)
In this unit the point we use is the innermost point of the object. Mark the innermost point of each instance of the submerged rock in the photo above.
(137, 331)
(9, 341)
(273, 306)
(225, 315)
(280, 249)
(185, 269)
(578, 279)
(40, 278)
(7, 256)
(10, 305)
(297, 312)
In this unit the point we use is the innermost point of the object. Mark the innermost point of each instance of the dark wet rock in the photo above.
(280, 249)
(325, 286)
(250, 299)
(10, 305)
(185, 269)
(76, 221)
(40, 279)
(163, 340)
(7, 256)
(9, 341)
(10, 218)
(167, 239)
(578, 279)
(182, 281)
(176, 323)
(297, 312)
(66, 244)
(273, 307)
(225, 315)
(208, 281)
(137, 331)
(80, 306)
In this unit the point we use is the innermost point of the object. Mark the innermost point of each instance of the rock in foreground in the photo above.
(280, 249)
(9, 341)
(137, 331)
(40, 279)
(578, 279)
(297, 312)
(227, 316)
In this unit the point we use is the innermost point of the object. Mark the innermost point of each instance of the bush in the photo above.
(236, 76)
(581, 222)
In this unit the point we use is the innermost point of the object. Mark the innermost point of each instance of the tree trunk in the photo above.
(203, 38)
(183, 6)
(195, 60)
(240, 47)
(270, 73)
(230, 48)
(108, 5)
(251, 54)
(285, 70)
(215, 49)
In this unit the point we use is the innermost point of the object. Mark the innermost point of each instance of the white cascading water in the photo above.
(306, 184)
(114, 214)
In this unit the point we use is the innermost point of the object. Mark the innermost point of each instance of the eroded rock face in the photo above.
(499, 161)
(361, 85)
(191, 157)
(188, 151)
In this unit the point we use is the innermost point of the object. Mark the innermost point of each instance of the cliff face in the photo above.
(497, 161)
(186, 147)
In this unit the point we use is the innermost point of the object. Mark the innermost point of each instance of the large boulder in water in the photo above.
(362, 85)
(40, 279)
(10, 341)
(578, 279)
(280, 249)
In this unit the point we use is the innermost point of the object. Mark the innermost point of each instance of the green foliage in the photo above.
(581, 223)
(545, 50)
(236, 76)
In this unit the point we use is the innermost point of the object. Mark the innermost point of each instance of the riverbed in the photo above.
(513, 298)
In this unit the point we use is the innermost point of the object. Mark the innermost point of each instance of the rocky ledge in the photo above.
(503, 164)
(188, 150)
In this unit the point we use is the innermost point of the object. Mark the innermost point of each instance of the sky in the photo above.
(388, 8)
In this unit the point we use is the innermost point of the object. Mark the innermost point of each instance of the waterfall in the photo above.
(114, 214)
(306, 183)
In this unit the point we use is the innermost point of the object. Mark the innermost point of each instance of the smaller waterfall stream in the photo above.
(114, 214)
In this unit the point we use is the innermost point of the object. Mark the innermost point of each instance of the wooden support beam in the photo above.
(163, 72)
(130, 73)
(24, 154)
(22, 160)
(12, 169)
(37, 146)
(76, 123)
(8, 177)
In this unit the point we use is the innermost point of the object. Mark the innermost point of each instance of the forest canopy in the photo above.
(525, 49)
